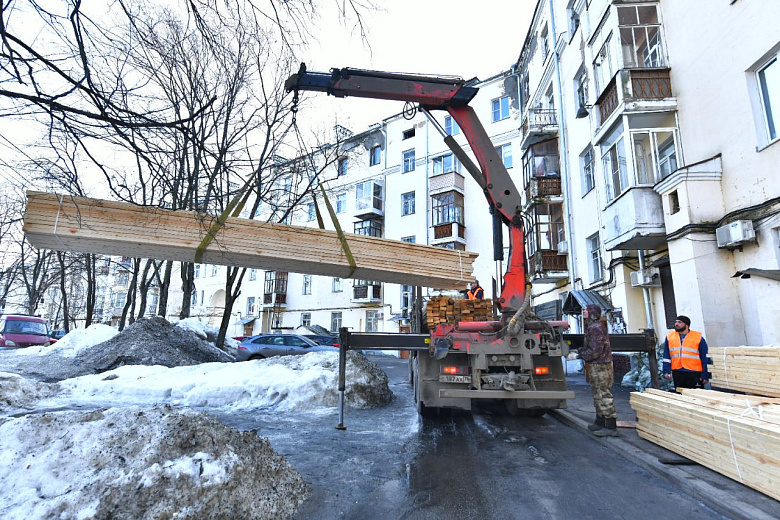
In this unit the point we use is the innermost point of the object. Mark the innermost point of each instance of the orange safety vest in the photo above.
(472, 295)
(685, 355)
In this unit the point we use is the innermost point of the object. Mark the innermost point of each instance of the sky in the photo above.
(433, 37)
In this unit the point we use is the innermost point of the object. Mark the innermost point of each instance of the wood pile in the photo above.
(735, 435)
(66, 223)
(446, 310)
(754, 370)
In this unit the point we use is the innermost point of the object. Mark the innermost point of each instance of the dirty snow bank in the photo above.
(287, 383)
(140, 463)
(19, 392)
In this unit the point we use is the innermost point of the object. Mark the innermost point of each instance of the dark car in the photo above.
(57, 334)
(19, 330)
(267, 345)
(323, 339)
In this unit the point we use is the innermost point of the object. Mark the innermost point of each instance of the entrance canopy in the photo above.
(578, 300)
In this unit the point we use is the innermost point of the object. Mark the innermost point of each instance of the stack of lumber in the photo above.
(66, 223)
(754, 370)
(735, 435)
(445, 310)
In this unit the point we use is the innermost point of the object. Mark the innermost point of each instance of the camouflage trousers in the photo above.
(601, 377)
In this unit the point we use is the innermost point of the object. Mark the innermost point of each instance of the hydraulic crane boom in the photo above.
(450, 94)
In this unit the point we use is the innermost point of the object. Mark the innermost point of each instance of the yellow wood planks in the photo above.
(66, 223)
(443, 309)
(736, 435)
(754, 370)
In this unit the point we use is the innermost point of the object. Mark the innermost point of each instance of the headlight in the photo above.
(9, 343)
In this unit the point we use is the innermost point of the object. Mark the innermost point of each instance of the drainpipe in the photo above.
(564, 160)
(646, 293)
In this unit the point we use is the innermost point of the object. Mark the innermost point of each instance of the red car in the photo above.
(19, 330)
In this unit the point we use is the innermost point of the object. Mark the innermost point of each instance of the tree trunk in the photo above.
(63, 292)
(187, 286)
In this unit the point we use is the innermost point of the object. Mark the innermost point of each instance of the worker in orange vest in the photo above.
(475, 291)
(685, 355)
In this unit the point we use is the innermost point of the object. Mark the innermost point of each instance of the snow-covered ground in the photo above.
(138, 442)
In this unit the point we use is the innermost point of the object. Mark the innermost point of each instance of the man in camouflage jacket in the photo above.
(597, 354)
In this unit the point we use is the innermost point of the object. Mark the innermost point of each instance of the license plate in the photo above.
(454, 379)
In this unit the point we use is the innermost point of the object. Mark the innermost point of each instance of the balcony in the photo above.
(449, 181)
(367, 293)
(539, 124)
(549, 266)
(275, 299)
(542, 187)
(638, 89)
(635, 220)
(447, 223)
(369, 200)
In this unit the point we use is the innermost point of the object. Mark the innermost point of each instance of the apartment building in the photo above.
(647, 148)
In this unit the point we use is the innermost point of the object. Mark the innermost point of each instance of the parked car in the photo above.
(19, 330)
(323, 339)
(267, 345)
(57, 334)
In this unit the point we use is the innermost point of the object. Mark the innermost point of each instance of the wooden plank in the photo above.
(747, 369)
(66, 223)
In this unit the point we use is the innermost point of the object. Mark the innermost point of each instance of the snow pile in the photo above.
(19, 392)
(141, 463)
(206, 332)
(286, 383)
(74, 342)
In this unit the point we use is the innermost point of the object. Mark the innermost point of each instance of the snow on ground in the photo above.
(143, 452)
(140, 463)
(74, 342)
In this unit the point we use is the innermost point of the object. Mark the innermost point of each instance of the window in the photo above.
(202, 296)
(410, 240)
(341, 203)
(451, 126)
(197, 271)
(369, 194)
(154, 299)
(615, 170)
(640, 36)
(586, 167)
(408, 134)
(311, 212)
(338, 285)
(194, 297)
(406, 296)
(305, 319)
(447, 208)
(581, 87)
(376, 156)
(123, 278)
(306, 284)
(372, 228)
(118, 298)
(526, 89)
(335, 321)
(252, 274)
(250, 306)
(407, 203)
(674, 202)
(213, 270)
(287, 185)
(594, 258)
(500, 108)
(574, 21)
(655, 155)
(769, 87)
(372, 321)
(445, 164)
(545, 41)
(548, 227)
(505, 152)
(342, 166)
(409, 160)
(603, 67)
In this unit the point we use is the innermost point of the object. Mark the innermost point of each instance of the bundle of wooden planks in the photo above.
(66, 223)
(443, 309)
(754, 370)
(736, 435)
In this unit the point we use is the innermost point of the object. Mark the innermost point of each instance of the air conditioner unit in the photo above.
(563, 247)
(735, 234)
(645, 278)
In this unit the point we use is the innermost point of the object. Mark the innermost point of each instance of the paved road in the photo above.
(390, 464)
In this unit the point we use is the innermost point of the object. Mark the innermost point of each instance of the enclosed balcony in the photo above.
(275, 289)
(539, 124)
(369, 199)
(545, 244)
(366, 291)
(637, 90)
(447, 218)
(541, 172)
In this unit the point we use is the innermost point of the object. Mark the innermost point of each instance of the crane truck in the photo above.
(517, 358)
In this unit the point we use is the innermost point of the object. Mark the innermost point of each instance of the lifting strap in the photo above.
(342, 237)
